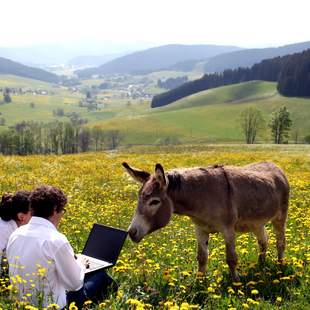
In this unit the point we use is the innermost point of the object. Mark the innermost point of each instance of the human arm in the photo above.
(70, 272)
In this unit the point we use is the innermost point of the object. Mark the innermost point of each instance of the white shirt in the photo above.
(6, 229)
(42, 256)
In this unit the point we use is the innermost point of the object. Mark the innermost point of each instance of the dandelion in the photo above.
(253, 302)
(72, 306)
(251, 283)
(254, 292)
(120, 294)
(214, 296)
(53, 306)
(230, 290)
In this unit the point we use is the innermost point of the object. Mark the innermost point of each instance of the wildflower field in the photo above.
(161, 271)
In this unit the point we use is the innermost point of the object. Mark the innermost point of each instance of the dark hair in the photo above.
(12, 204)
(45, 199)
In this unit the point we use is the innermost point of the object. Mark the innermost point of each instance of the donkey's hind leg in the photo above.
(231, 255)
(262, 240)
(279, 227)
(202, 249)
(279, 224)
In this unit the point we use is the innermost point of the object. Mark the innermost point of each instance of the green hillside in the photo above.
(8, 66)
(211, 116)
(208, 116)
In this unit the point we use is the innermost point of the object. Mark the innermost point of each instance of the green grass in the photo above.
(160, 271)
(208, 116)
(212, 115)
(20, 82)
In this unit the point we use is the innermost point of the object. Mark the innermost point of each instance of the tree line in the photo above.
(294, 79)
(57, 137)
(291, 72)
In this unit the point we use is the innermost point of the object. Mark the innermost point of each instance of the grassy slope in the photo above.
(58, 97)
(213, 115)
(210, 116)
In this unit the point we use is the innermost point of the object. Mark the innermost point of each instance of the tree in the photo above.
(113, 138)
(307, 139)
(6, 96)
(88, 95)
(280, 125)
(84, 137)
(251, 122)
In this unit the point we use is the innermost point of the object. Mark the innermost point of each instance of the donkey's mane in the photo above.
(175, 182)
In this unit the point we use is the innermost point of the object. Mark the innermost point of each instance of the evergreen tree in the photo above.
(280, 125)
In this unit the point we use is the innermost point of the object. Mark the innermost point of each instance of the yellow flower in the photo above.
(120, 294)
(214, 296)
(72, 306)
(210, 289)
(52, 306)
(88, 302)
(254, 292)
(230, 290)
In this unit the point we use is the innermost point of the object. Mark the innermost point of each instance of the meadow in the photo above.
(210, 116)
(161, 271)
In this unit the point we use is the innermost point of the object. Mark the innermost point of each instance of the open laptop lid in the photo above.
(105, 243)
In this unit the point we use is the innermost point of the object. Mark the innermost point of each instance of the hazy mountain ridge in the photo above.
(8, 66)
(248, 57)
(156, 58)
(294, 81)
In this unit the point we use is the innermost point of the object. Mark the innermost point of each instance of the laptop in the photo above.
(102, 247)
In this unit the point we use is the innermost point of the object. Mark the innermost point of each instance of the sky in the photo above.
(245, 23)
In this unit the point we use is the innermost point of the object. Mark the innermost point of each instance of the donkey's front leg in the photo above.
(202, 248)
(231, 255)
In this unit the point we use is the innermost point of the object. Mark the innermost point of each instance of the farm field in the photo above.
(161, 271)
(210, 116)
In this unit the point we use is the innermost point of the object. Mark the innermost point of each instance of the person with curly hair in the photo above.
(44, 258)
(14, 212)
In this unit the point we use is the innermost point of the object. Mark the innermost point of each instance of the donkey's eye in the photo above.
(154, 202)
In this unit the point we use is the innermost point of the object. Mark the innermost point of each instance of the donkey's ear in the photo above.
(160, 176)
(138, 175)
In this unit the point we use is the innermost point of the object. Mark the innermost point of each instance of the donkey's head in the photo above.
(154, 207)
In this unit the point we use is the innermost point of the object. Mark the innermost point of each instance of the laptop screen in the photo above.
(105, 243)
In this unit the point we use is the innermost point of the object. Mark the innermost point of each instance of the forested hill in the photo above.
(10, 67)
(249, 57)
(292, 72)
(157, 58)
(294, 79)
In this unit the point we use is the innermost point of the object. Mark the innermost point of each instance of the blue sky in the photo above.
(244, 23)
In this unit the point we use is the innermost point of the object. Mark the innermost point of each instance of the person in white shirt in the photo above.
(14, 212)
(41, 259)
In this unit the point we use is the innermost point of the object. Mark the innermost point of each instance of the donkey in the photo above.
(225, 199)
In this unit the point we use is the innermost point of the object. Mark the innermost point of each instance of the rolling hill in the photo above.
(236, 59)
(248, 57)
(156, 58)
(210, 116)
(14, 68)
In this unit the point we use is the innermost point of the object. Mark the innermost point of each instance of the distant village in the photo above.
(23, 91)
